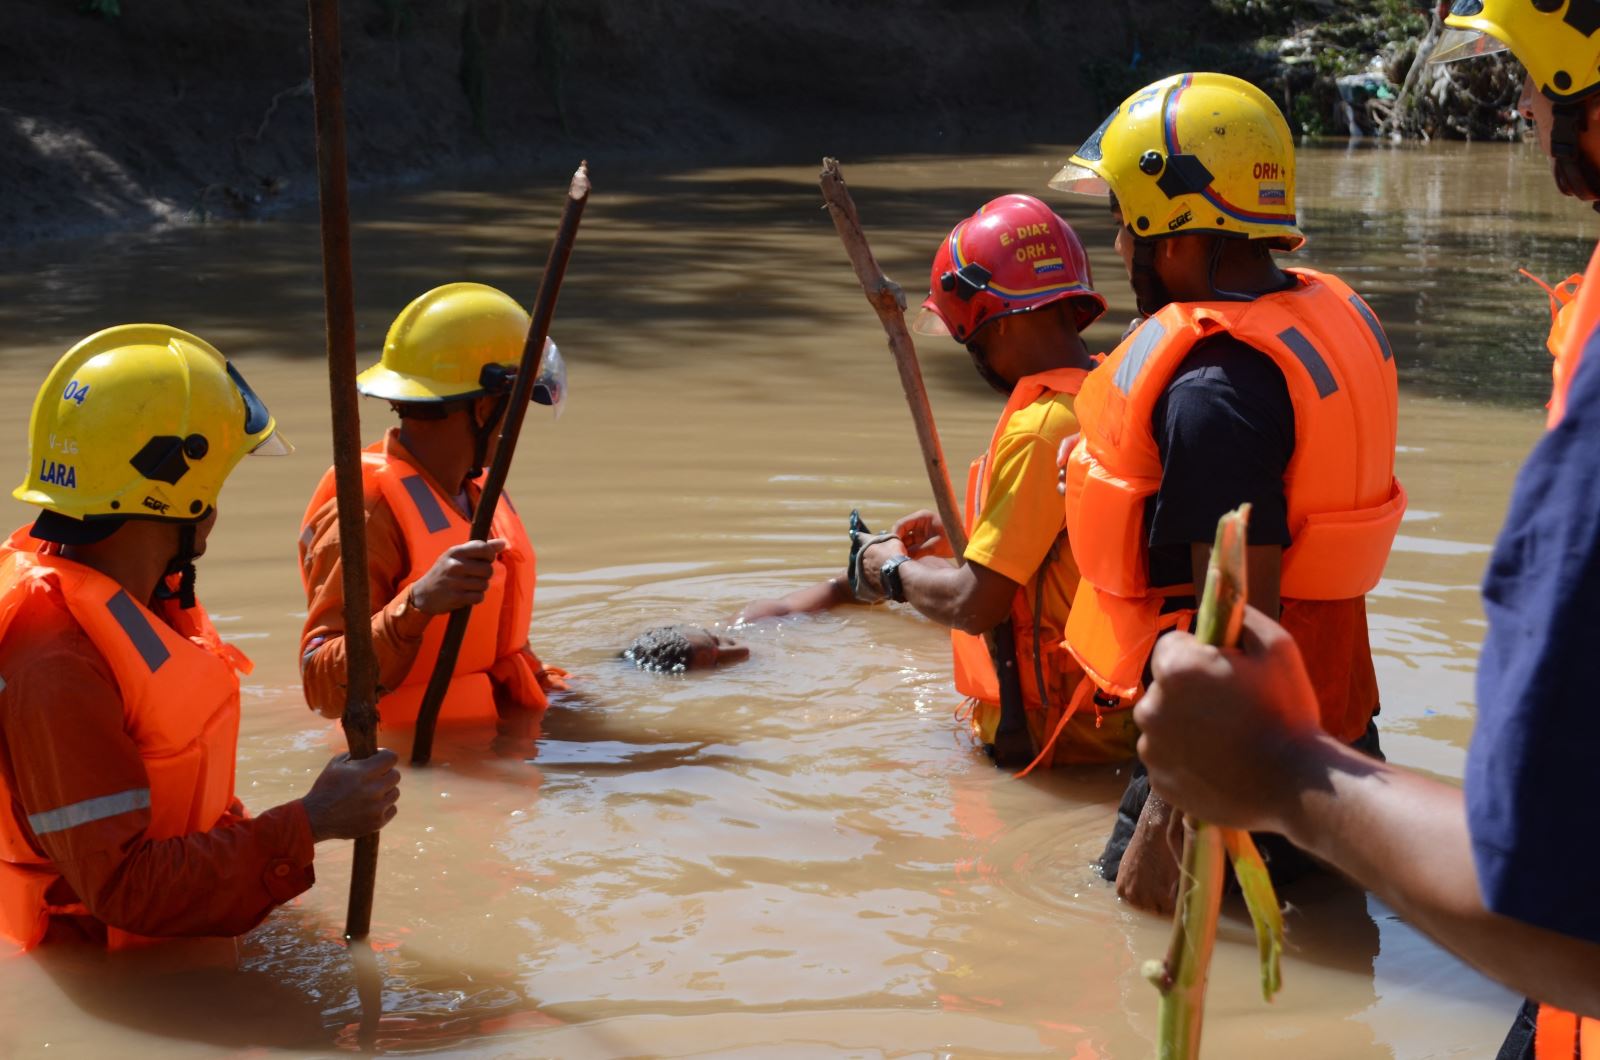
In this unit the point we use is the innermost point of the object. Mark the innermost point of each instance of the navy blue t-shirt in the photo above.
(1531, 769)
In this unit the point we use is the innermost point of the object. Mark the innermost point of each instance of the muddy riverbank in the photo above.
(152, 113)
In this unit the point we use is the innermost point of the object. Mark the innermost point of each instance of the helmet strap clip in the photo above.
(182, 565)
(968, 281)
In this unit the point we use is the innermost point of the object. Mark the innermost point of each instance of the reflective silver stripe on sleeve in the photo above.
(144, 638)
(1147, 339)
(433, 516)
(1315, 366)
(89, 811)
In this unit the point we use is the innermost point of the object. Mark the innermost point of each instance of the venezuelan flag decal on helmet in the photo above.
(1192, 153)
(1013, 256)
(1557, 40)
(141, 421)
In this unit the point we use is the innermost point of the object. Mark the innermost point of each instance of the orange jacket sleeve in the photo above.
(397, 627)
(64, 746)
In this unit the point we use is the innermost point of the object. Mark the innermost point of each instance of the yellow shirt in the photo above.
(1020, 533)
(1022, 514)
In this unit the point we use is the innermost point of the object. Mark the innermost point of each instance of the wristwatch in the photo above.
(889, 575)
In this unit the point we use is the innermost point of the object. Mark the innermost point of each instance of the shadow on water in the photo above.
(292, 985)
(1439, 266)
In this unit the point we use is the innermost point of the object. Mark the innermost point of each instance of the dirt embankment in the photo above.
(172, 110)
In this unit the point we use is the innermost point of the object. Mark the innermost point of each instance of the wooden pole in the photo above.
(360, 718)
(494, 483)
(1013, 744)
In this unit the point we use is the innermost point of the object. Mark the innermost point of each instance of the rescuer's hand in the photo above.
(922, 534)
(1152, 865)
(1063, 452)
(1226, 735)
(874, 556)
(458, 578)
(353, 798)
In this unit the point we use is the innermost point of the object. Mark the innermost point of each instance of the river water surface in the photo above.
(801, 855)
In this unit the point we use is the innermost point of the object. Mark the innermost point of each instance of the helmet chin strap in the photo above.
(996, 381)
(1149, 292)
(484, 434)
(181, 564)
(1575, 174)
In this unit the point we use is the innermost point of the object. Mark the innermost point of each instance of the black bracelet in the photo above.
(889, 574)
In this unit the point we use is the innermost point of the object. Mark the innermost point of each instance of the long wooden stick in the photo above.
(1013, 744)
(532, 362)
(360, 719)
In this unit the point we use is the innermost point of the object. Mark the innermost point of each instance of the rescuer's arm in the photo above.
(1264, 764)
(971, 597)
(1018, 524)
(823, 596)
(397, 625)
(86, 800)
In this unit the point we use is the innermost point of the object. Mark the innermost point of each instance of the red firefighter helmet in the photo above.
(1013, 256)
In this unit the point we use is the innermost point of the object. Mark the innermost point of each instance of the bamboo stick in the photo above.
(1182, 976)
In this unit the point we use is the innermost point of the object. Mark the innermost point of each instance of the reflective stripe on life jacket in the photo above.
(180, 704)
(1344, 502)
(497, 633)
(1560, 1035)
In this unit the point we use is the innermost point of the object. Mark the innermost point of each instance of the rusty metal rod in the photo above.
(360, 719)
(544, 309)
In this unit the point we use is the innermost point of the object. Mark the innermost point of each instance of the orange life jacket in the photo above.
(1344, 502)
(1575, 311)
(180, 702)
(975, 676)
(1562, 1035)
(497, 634)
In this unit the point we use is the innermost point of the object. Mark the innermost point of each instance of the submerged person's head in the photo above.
(1012, 284)
(1200, 173)
(674, 649)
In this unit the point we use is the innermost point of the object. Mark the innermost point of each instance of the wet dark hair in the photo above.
(663, 650)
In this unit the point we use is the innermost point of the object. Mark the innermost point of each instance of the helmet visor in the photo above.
(1458, 44)
(929, 322)
(257, 419)
(1080, 180)
(550, 388)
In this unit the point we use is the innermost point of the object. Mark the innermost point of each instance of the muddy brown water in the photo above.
(802, 855)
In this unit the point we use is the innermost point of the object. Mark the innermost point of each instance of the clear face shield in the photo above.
(549, 389)
(929, 322)
(1080, 180)
(1457, 44)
